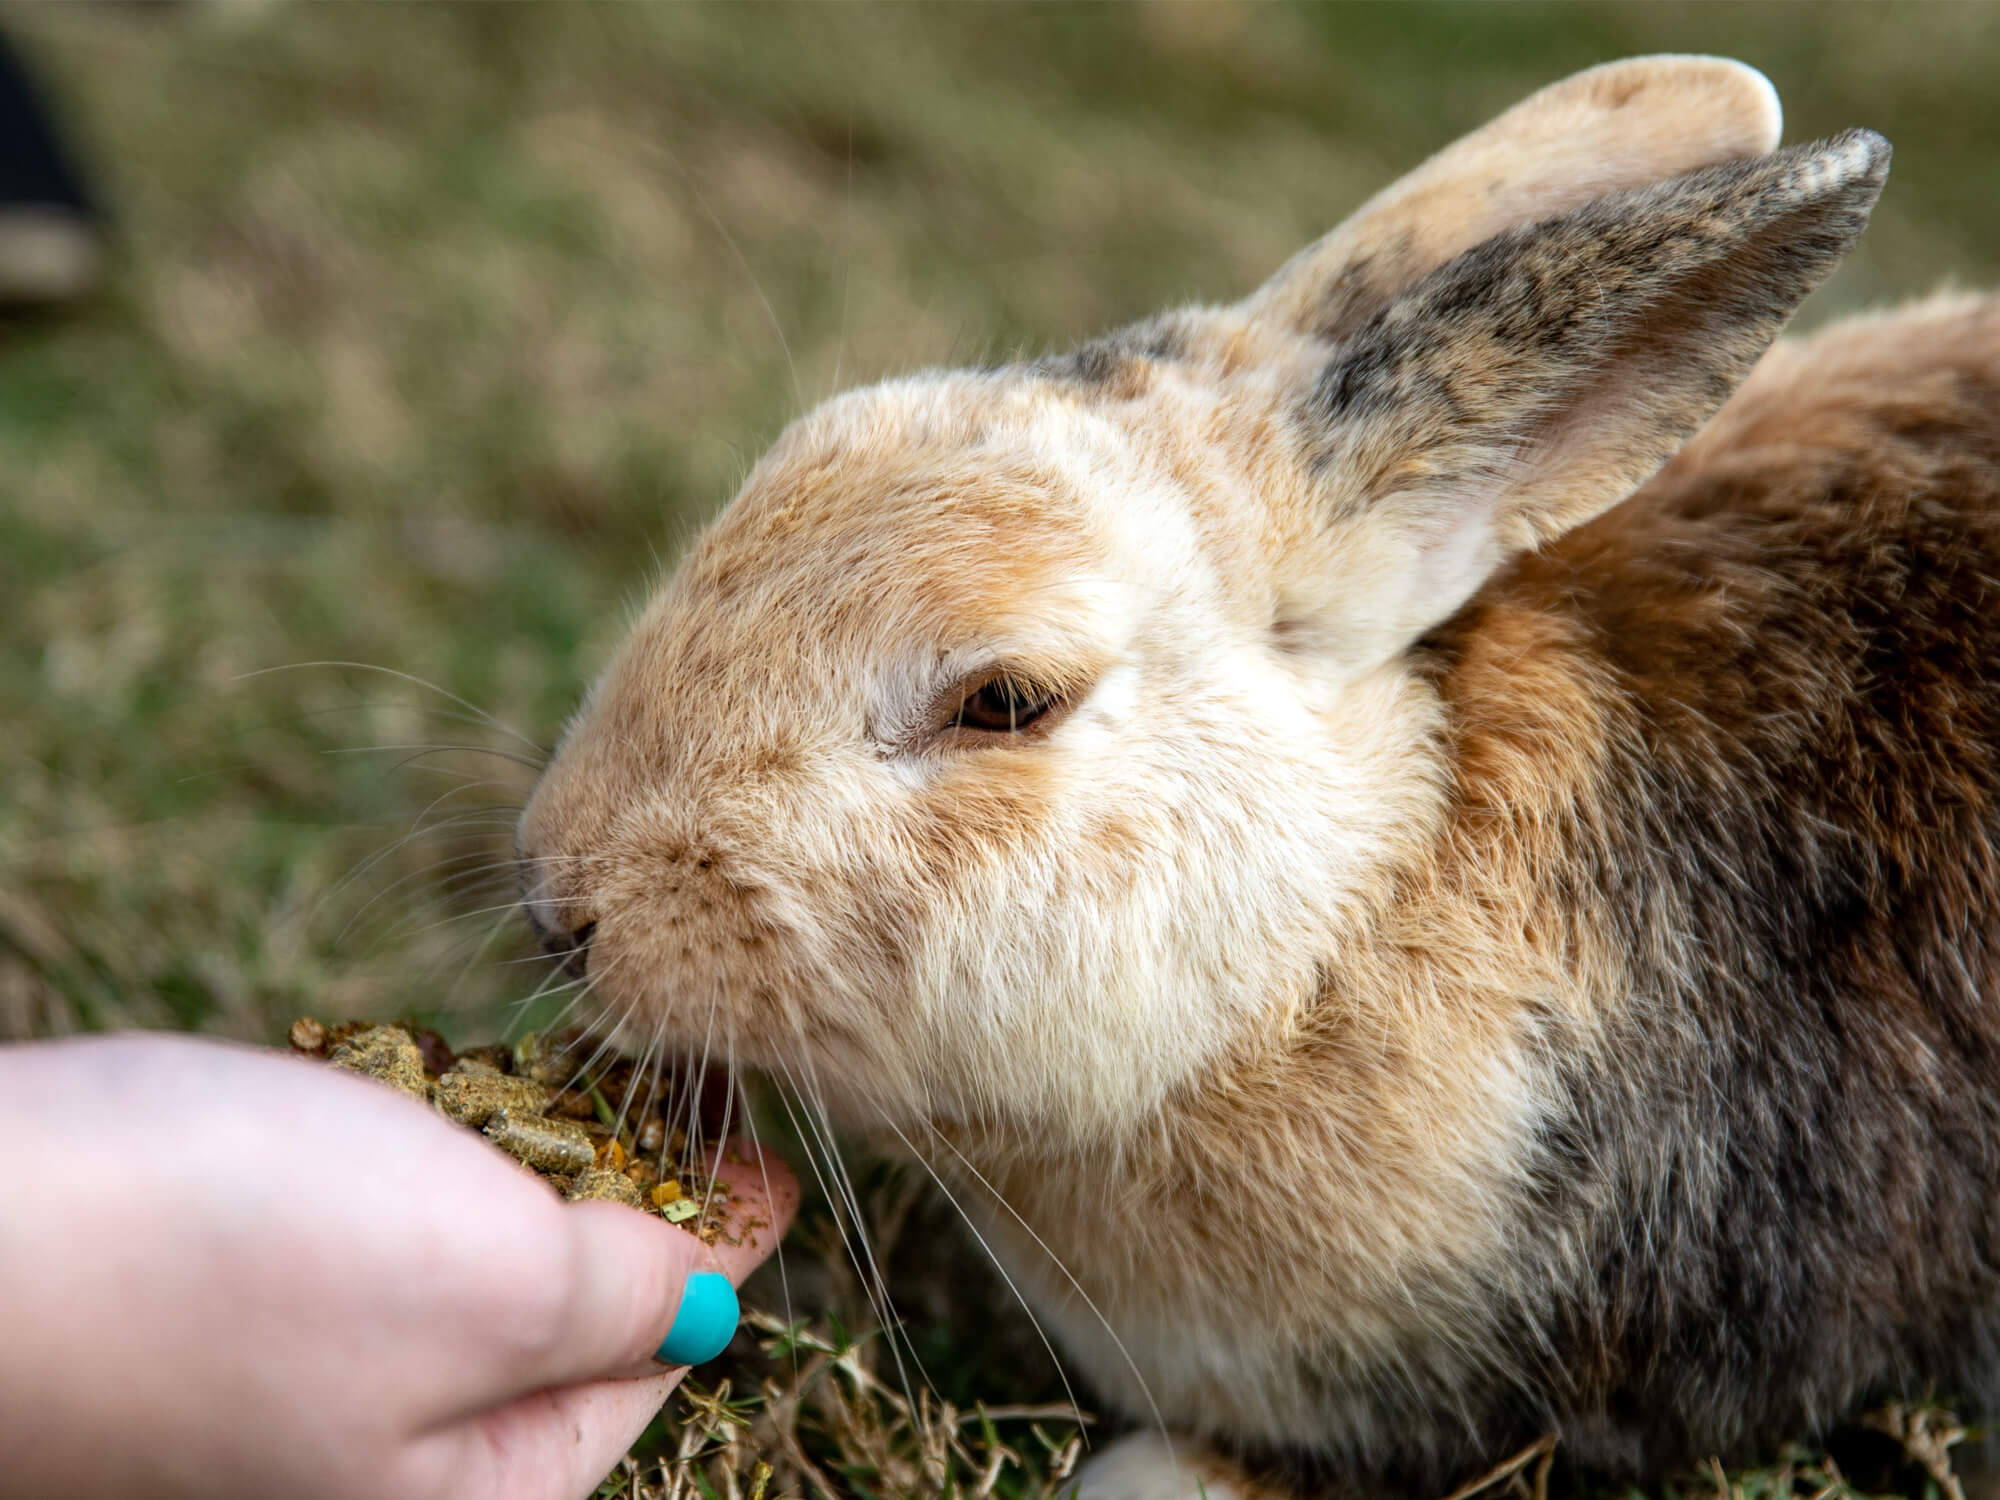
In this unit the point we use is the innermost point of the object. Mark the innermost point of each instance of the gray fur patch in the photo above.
(1673, 289)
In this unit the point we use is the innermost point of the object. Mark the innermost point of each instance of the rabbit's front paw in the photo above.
(1147, 1466)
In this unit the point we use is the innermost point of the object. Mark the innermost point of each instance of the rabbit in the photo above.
(1420, 853)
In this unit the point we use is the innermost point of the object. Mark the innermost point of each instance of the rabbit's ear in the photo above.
(1621, 125)
(1540, 377)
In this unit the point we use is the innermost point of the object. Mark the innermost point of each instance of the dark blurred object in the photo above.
(51, 240)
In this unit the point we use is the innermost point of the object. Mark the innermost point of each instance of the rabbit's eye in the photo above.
(1004, 704)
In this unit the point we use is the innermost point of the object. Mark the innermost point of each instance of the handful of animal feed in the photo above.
(535, 1102)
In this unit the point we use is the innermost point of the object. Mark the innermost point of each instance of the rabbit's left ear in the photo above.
(1619, 125)
(1538, 378)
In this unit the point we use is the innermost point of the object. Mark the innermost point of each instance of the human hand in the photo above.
(228, 1272)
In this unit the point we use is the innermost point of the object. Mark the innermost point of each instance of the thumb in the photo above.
(634, 1276)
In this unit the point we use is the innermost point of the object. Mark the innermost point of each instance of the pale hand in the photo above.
(228, 1272)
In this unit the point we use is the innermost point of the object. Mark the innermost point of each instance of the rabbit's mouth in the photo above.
(742, 999)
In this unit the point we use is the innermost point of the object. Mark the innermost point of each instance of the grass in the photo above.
(435, 331)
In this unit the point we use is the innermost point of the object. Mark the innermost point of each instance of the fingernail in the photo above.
(705, 1322)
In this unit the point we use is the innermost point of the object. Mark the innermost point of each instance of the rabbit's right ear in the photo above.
(1621, 125)
(1534, 381)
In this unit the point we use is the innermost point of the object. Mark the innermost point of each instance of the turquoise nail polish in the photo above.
(705, 1322)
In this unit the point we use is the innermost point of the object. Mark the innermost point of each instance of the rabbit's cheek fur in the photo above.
(1082, 1028)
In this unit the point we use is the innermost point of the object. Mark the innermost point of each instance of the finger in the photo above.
(764, 1197)
(630, 1270)
(550, 1445)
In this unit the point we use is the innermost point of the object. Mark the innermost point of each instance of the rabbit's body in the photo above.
(1725, 777)
(1396, 950)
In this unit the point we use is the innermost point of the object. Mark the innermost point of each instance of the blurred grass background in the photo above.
(435, 331)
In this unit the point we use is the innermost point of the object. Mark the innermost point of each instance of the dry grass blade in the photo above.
(827, 1425)
(1542, 1448)
(1927, 1433)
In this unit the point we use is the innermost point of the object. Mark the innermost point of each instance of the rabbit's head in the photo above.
(1018, 744)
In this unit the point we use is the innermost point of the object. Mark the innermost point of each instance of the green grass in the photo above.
(435, 331)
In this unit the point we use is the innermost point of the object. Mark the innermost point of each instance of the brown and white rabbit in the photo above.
(1406, 924)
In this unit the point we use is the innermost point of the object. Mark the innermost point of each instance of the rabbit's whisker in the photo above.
(1057, 1261)
(418, 753)
(403, 931)
(722, 1130)
(764, 1174)
(1054, 1358)
(695, 1136)
(892, 1324)
(845, 1206)
(606, 1037)
(556, 982)
(478, 959)
(363, 666)
(646, 1059)
(389, 850)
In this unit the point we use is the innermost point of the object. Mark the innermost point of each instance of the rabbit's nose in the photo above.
(563, 931)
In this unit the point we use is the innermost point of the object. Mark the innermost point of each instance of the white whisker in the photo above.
(419, 752)
(364, 866)
(1057, 1261)
(764, 1172)
(743, 263)
(639, 1067)
(363, 666)
(814, 1096)
(1036, 1322)
(693, 1153)
(846, 1206)
(493, 930)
